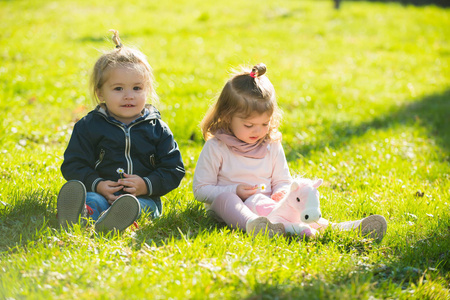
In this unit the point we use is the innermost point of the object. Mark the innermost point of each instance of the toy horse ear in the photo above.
(318, 183)
(294, 186)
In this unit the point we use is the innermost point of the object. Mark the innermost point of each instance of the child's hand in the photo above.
(278, 196)
(245, 190)
(108, 188)
(134, 185)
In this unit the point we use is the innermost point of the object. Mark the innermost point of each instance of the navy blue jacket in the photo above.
(100, 144)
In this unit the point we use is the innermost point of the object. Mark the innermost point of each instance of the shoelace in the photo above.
(89, 210)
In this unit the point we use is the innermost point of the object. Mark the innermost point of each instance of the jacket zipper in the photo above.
(128, 150)
(128, 147)
(127, 143)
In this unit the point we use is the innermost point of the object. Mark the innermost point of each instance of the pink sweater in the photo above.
(219, 170)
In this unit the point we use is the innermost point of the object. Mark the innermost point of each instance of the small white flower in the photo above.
(120, 171)
(262, 187)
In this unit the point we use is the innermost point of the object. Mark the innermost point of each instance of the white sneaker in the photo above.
(373, 226)
(263, 225)
(122, 213)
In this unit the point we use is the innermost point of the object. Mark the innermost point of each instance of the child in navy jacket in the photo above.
(121, 157)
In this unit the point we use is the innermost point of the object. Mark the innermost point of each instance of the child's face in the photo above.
(251, 129)
(124, 93)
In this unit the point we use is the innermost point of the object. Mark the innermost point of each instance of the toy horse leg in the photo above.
(300, 229)
(320, 225)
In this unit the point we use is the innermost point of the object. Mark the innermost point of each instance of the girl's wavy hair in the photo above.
(248, 91)
(121, 56)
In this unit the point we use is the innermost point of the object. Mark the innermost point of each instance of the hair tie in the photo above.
(116, 38)
(252, 74)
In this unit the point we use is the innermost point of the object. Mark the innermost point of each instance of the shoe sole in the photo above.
(374, 227)
(122, 213)
(263, 225)
(70, 202)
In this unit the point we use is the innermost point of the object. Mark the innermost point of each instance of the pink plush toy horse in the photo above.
(298, 207)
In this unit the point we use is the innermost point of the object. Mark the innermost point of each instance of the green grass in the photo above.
(366, 98)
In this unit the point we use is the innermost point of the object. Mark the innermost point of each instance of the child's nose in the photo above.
(129, 95)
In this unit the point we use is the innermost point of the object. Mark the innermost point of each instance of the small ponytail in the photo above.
(116, 38)
(258, 70)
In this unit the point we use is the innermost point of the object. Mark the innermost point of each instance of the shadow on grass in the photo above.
(413, 265)
(184, 223)
(21, 220)
(431, 252)
(432, 112)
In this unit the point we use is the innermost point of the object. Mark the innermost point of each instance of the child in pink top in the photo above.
(243, 153)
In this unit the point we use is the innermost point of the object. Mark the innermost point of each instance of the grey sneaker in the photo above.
(262, 224)
(373, 226)
(122, 213)
(71, 203)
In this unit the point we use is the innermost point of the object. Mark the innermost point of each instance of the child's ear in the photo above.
(99, 95)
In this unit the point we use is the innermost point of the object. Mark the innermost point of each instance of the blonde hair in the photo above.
(121, 56)
(246, 92)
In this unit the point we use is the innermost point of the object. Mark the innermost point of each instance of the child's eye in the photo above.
(137, 88)
(248, 126)
(118, 88)
(265, 125)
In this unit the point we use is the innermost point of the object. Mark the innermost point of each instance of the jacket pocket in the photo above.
(153, 161)
(100, 158)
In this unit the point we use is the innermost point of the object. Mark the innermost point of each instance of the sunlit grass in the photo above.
(365, 94)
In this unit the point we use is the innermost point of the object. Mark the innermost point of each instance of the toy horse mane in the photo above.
(302, 182)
